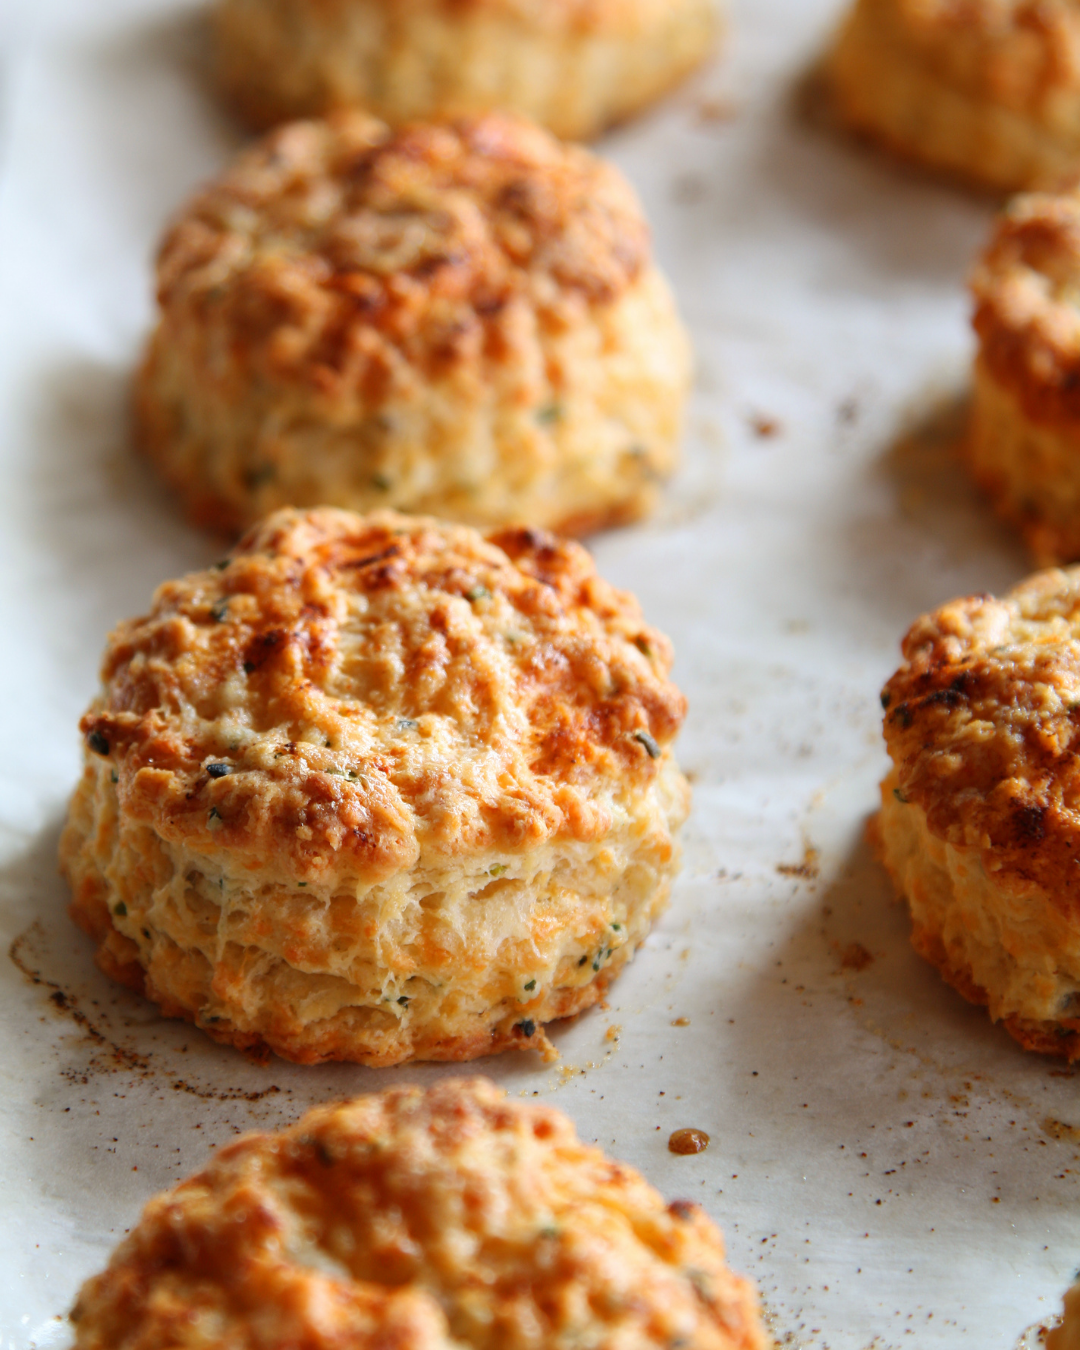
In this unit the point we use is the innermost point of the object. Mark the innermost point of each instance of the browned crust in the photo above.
(281, 594)
(982, 723)
(1025, 315)
(499, 210)
(418, 1220)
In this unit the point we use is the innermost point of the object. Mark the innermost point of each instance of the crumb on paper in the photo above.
(613, 1032)
(765, 426)
(808, 868)
(717, 109)
(681, 1022)
(855, 957)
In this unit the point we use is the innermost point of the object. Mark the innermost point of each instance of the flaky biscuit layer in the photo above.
(419, 1221)
(378, 789)
(459, 319)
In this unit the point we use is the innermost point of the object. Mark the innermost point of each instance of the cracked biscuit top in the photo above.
(344, 691)
(334, 251)
(451, 1219)
(1027, 294)
(983, 725)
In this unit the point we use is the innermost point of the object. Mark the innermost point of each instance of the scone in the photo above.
(459, 319)
(980, 817)
(1023, 444)
(378, 789)
(451, 1219)
(1066, 1336)
(985, 89)
(575, 66)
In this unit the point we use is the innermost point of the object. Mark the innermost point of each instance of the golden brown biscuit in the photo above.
(378, 789)
(1066, 1336)
(980, 819)
(1023, 445)
(413, 1220)
(985, 89)
(575, 66)
(461, 319)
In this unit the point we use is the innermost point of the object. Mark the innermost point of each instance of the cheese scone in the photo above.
(575, 66)
(446, 1219)
(980, 818)
(378, 789)
(988, 90)
(1023, 445)
(1066, 1336)
(459, 319)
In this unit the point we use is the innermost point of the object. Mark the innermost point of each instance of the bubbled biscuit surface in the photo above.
(575, 66)
(461, 319)
(986, 90)
(378, 788)
(419, 1221)
(980, 823)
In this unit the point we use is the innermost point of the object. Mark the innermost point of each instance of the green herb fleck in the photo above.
(643, 645)
(120, 909)
(381, 483)
(301, 883)
(220, 612)
(530, 986)
(221, 564)
(214, 814)
(886, 698)
(406, 724)
(217, 770)
(899, 796)
(549, 413)
(477, 593)
(497, 869)
(114, 777)
(527, 1027)
(552, 1234)
(256, 478)
(617, 927)
(582, 961)
(651, 747)
(404, 1001)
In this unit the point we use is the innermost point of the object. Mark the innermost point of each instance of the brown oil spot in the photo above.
(711, 110)
(764, 426)
(807, 869)
(688, 1141)
(1057, 1129)
(855, 957)
(681, 1022)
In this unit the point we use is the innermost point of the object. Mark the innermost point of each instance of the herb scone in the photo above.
(462, 319)
(980, 818)
(378, 789)
(576, 66)
(988, 90)
(1023, 445)
(446, 1219)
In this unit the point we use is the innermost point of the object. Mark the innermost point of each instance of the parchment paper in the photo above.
(888, 1165)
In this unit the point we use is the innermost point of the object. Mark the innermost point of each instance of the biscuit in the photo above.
(575, 66)
(980, 819)
(461, 320)
(1023, 445)
(378, 789)
(419, 1220)
(1066, 1336)
(987, 90)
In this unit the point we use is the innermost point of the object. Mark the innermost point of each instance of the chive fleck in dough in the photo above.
(459, 319)
(379, 789)
(575, 66)
(1024, 441)
(980, 818)
(985, 90)
(446, 1219)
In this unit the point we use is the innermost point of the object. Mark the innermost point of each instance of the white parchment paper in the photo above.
(889, 1166)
